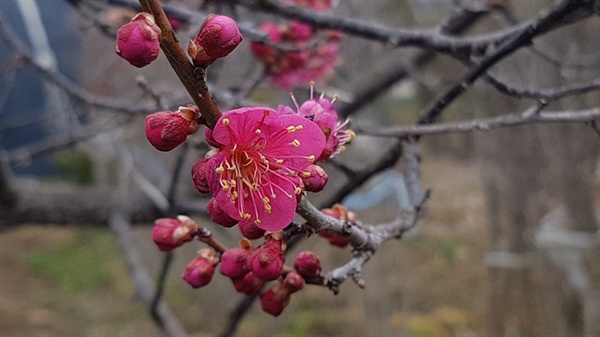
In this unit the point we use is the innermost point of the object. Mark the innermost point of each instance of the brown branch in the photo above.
(192, 78)
(527, 117)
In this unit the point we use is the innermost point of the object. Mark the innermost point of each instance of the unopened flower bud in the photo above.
(249, 284)
(169, 234)
(314, 178)
(138, 41)
(166, 130)
(334, 239)
(250, 231)
(268, 259)
(339, 212)
(218, 216)
(293, 282)
(235, 262)
(274, 299)
(218, 36)
(200, 270)
(199, 176)
(307, 264)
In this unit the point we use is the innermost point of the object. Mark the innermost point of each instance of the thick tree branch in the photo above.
(192, 78)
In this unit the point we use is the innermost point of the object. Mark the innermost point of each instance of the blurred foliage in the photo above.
(75, 166)
(81, 265)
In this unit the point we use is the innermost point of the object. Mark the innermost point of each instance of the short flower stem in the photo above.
(192, 78)
(204, 235)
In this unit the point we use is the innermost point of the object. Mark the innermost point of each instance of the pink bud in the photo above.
(268, 259)
(248, 285)
(208, 135)
(138, 41)
(218, 36)
(218, 216)
(274, 299)
(314, 178)
(201, 269)
(235, 262)
(199, 175)
(250, 231)
(299, 31)
(169, 234)
(307, 264)
(166, 130)
(293, 282)
(334, 239)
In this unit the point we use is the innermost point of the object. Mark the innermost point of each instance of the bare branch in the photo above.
(526, 117)
(142, 283)
(561, 11)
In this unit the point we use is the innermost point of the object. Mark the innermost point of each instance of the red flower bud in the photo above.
(218, 36)
(314, 178)
(268, 259)
(199, 175)
(166, 130)
(250, 231)
(169, 234)
(248, 284)
(307, 264)
(218, 216)
(201, 269)
(138, 41)
(275, 299)
(334, 239)
(235, 262)
(293, 282)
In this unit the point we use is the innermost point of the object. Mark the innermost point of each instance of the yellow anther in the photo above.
(233, 183)
(296, 143)
(268, 209)
(342, 149)
(257, 131)
(266, 112)
(306, 174)
(291, 128)
(257, 222)
(246, 216)
(298, 190)
(266, 200)
(311, 83)
(224, 184)
(220, 169)
(234, 195)
(279, 161)
(231, 168)
(299, 127)
(351, 133)
(311, 158)
(225, 121)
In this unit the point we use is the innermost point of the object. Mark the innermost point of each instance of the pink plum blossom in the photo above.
(254, 176)
(315, 60)
(321, 112)
(200, 270)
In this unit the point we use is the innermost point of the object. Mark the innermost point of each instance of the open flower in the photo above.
(321, 111)
(254, 176)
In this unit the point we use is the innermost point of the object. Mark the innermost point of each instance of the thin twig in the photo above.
(523, 118)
